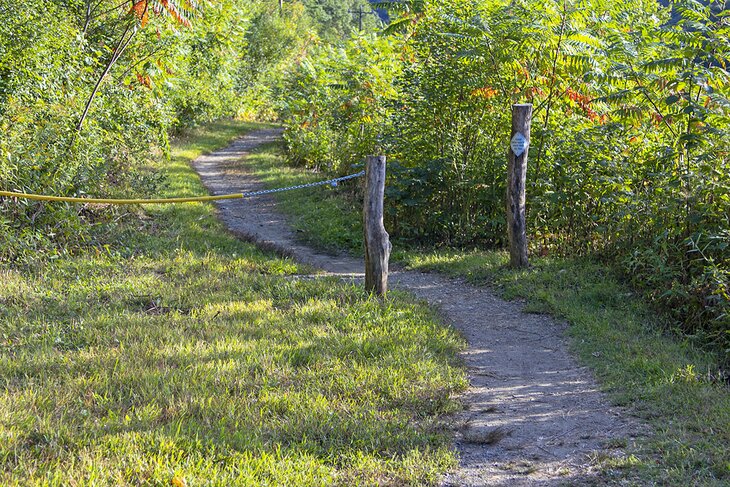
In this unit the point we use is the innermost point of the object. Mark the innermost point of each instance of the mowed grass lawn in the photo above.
(171, 353)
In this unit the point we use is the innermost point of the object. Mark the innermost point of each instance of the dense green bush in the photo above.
(158, 66)
(337, 101)
(630, 132)
(45, 64)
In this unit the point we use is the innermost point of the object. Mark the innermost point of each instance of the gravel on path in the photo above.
(532, 415)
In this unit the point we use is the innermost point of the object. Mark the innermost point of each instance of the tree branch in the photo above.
(121, 45)
(553, 82)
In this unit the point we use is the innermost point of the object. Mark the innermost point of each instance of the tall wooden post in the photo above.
(516, 180)
(377, 241)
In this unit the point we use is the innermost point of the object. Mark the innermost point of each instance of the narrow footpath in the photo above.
(532, 415)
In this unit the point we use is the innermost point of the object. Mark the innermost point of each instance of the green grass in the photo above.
(663, 379)
(324, 216)
(172, 351)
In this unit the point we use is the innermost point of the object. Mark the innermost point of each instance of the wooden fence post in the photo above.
(377, 242)
(516, 180)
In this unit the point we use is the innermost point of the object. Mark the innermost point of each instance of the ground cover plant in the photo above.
(171, 353)
(640, 359)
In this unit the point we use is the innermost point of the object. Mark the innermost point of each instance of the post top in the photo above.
(521, 105)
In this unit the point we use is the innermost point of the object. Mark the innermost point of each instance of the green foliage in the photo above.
(44, 63)
(337, 100)
(337, 19)
(631, 126)
(89, 90)
(273, 43)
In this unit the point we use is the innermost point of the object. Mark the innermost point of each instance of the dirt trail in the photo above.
(532, 415)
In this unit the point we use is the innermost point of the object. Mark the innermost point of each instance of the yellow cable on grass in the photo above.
(102, 201)
(234, 196)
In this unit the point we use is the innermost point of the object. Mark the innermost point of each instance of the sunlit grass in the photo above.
(175, 351)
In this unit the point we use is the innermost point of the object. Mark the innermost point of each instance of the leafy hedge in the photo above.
(629, 156)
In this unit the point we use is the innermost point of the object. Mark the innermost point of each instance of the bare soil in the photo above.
(532, 415)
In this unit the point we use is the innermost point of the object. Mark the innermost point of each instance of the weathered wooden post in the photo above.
(377, 241)
(516, 180)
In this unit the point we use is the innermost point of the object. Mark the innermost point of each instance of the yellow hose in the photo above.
(102, 201)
